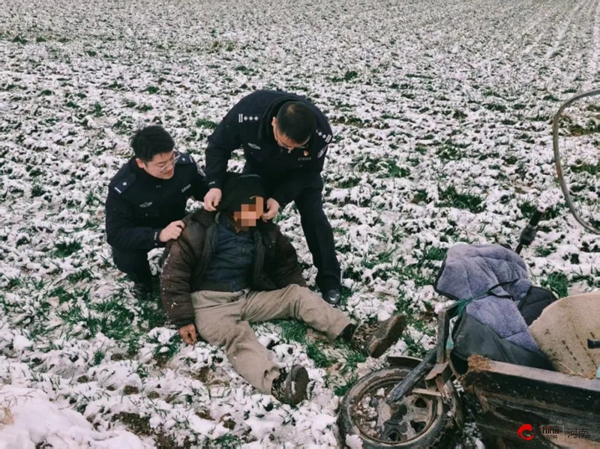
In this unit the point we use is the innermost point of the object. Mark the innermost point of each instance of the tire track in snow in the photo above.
(495, 35)
(544, 61)
(517, 66)
(512, 47)
(554, 15)
(571, 57)
(593, 69)
(565, 63)
(563, 30)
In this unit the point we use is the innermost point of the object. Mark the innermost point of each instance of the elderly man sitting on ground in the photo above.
(229, 269)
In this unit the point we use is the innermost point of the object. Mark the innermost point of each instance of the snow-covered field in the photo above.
(441, 111)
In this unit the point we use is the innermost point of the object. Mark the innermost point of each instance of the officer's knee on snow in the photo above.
(129, 261)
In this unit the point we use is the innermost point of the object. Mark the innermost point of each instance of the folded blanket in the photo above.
(491, 279)
(472, 271)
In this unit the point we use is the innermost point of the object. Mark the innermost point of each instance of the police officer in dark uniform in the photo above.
(147, 200)
(285, 139)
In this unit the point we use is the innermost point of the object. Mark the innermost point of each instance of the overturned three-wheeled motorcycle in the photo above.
(525, 363)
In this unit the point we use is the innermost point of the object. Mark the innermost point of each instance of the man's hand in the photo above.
(212, 199)
(272, 210)
(172, 231)
(188, 334)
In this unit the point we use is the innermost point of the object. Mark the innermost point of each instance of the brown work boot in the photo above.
(291, 388)
(375, 339)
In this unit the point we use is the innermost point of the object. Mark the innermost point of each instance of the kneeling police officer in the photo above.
(146, 201)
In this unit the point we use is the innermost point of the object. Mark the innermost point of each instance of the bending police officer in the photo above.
(285, 140)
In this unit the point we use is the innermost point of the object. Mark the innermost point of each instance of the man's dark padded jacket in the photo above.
(248, 126)
(275, 263)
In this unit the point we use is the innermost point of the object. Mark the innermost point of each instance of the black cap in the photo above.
(240, 189)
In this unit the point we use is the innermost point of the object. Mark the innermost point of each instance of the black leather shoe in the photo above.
(142, 291)
(333, 296)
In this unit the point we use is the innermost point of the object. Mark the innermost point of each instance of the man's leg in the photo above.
(135, 264)
(218, 320)
(296, 302)
(319, 236)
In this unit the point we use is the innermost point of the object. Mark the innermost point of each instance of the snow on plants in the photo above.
(441, 112)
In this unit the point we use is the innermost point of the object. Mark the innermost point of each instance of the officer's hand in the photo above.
(272, 210)
(172, 231)
(188, 334)
(212, 199)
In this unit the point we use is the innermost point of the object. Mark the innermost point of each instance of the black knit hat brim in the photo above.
(240, 189)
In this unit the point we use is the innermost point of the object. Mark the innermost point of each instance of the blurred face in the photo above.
(250, 213)
(162, 165)
(284, 141)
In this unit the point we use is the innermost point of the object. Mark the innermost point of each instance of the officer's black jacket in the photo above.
(248, 126)
(139, 206)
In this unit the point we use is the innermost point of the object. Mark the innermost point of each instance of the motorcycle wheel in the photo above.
(417, 421)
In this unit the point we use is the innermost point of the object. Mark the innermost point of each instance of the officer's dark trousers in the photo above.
(134, 263)
(319, 237)
(317, 231)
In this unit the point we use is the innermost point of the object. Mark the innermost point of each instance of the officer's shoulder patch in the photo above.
(191, 160)
(185, 159)
(324, 136)
(248, 117)
(122, 183)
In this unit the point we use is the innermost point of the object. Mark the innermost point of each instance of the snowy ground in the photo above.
(441, 112)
